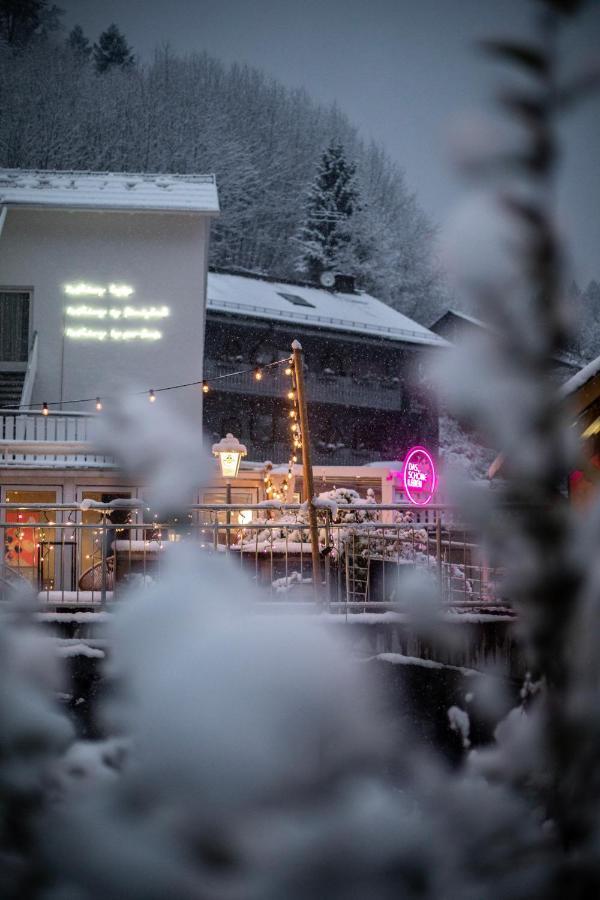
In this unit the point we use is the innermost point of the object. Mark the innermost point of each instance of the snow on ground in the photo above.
(458, 449)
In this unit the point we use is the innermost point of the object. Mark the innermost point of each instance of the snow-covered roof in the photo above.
(109, 190)
(579, 379)
(459, 314)
(358, 312)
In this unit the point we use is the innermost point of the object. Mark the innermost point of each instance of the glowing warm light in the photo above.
(288, 371)
(135, 334)
(229, 452)
(419, 476)
(44, 409)
(83, 333)
(151, 396)
(81, 289)
(141, 312)
(115, 312)
(86, 312)
(98, 404)
(245, 516)
(205, 387)
(258, 375)
(120, 290)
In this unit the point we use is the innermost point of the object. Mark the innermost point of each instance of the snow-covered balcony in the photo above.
(58, 439)
(372, 392)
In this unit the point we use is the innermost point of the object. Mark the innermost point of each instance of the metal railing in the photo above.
(30, 437)
(90, 555)
(372, 391)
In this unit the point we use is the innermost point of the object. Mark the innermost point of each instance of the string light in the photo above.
(98, 404)
(205, 386)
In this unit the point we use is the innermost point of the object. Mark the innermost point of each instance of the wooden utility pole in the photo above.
(307, 467)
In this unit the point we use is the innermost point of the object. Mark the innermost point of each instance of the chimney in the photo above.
(344, 284)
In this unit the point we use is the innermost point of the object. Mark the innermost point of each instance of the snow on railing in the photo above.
(84, 556)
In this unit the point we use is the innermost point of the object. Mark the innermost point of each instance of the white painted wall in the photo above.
(163, 256)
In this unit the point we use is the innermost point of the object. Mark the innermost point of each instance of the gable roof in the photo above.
(356, 312)
(108, 191)
(458, 314)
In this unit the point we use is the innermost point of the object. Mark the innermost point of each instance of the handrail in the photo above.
(30, 373)
(51, 412)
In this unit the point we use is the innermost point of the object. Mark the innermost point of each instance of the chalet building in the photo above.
(365, 366)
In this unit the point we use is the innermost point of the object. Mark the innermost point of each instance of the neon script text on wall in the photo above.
(82, 289)
(418, 476)
(83, 333)
(115, 312)
(83, 311)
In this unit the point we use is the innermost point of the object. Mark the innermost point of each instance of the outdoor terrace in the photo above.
(90, 555)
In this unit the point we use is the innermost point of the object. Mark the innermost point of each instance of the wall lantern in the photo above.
(229, 452)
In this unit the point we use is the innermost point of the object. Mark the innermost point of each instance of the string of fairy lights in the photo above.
(272, 491)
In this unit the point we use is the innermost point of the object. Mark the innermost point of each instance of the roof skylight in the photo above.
(296, 300)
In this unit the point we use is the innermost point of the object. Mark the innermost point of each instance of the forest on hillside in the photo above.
(68, 102)
(69, 105)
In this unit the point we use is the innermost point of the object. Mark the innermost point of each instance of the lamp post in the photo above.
(229, 452)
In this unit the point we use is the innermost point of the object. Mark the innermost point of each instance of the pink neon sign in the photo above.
(418, 476)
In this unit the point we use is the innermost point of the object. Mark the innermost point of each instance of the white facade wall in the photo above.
(163, 256)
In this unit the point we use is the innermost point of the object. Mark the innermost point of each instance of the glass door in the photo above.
(34, 549)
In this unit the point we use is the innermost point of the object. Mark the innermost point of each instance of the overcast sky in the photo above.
(403, 70)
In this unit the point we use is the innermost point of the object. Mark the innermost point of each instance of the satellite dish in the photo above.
(327, 279)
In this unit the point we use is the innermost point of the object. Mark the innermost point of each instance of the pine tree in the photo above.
(112, 50)
(326, 236)
(79, 44)
(22, 20)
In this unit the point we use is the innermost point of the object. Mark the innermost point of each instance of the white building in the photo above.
(102, 285)
(102, 291)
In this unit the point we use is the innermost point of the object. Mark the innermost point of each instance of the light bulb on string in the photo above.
(258, 375)
(151, 396)
(98, 404)
(45, 409)
(205, 387)
(288, 371)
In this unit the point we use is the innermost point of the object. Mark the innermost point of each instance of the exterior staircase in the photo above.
(11, 389)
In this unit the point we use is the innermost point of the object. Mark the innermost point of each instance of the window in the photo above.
(296, 300)
(14, 326)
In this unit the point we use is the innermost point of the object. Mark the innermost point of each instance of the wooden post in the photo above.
(307, 468)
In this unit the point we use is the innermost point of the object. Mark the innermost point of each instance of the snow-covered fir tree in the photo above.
(79, 44)
(112, 50)
(326, 236)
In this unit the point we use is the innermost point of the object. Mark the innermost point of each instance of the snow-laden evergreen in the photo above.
(193, 114)
(325, 239)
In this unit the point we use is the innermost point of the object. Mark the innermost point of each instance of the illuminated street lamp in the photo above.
(229, 452)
